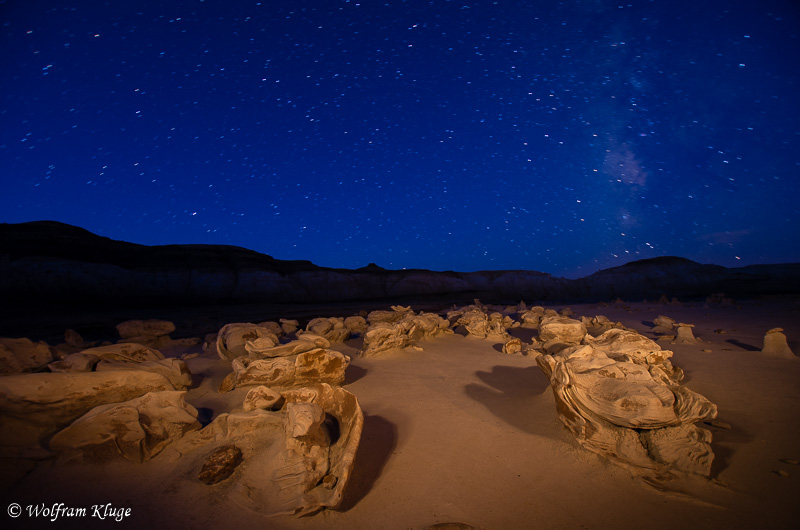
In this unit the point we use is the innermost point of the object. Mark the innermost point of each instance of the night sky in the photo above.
(563, 137)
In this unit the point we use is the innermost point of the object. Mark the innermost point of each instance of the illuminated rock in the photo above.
(315, 366)
(289, 326)
(685, 334)
(775, 345)
(125, 351)
(630, 412)
(401, 333)
(35, 405)
(23, 355)
(138, 328)
(261, 397)
(296, 460)
(333, 329)
(259, 349)
(233, 338)
(356, 324)
(137, 429)
(512, 346)
(560, 331)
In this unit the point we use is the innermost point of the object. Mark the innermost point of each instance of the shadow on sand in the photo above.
(378, 441)
(509, 393)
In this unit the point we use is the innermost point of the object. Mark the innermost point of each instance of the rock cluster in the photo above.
(290, 450)
(400, 328)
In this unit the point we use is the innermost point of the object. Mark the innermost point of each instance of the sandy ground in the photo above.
(460, 432)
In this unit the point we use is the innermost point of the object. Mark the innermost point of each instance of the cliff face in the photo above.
(50, 261)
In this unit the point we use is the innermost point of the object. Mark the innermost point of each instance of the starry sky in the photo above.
(563, 137)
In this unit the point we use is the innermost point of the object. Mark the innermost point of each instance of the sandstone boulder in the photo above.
(621, 410)
(232, 339)
(138, 328)
(558, 331)
(775, 345)
(137, 429)
(333, 329)
(128, 352)
(401, 333)
(261, 397)
(315, 366)
(296, 460)
(23, 355)
(33, 406)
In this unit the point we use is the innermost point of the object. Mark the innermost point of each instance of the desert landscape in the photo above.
(434, 412)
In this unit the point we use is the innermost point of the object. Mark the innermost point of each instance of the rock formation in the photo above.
(619, 395)
(400, 328)
(295, 460)
(23, 355)
(775, 345)
(137, 429)
(33, 406)
(315, 366)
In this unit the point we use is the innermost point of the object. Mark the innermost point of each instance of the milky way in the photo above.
(562, 137)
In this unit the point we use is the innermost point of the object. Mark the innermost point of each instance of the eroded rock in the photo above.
(220, 464)
(315, 366)
(232, 339)
(292, 463)
(261, 397)
(558, 331)
(23, 355)
(36, 405)
(137, 429)
(623, 410)
(775, 345)
(406, 331)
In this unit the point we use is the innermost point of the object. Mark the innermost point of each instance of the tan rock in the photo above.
(333, 329)
(394, 315)
(630, 412)
(33, 406)
(292, 463)
(306, 342)
(315, 366)
(558, 331)
(75, 362)
(273, 327)
(174, 370)
(139, 328)
(261, 397)
(512, 346)
(137, 429)
(23, 355)
(233, 338)
(289, 326)
(403, 333)
(775, 345)
(685, 334)
(129, 352)
(356, 324)
(220, 464)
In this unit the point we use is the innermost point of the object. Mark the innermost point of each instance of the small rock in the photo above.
(719, 424)
(782, 473)
(720, 332)
(791, 461)
(705, 350)
(220, 464)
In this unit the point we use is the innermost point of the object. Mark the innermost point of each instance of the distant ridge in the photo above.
(45, 261)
